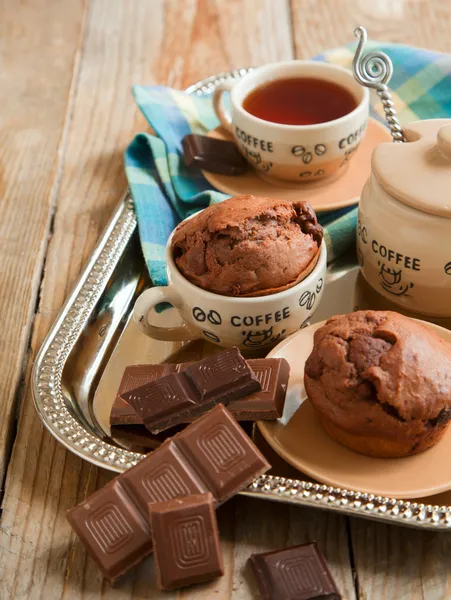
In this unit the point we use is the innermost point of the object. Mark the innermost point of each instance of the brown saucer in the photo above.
(330, 194)
(300, 439)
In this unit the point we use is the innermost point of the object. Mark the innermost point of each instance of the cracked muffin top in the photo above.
(247, 244)
(384, 359)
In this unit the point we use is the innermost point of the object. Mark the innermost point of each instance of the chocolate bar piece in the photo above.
(296, 573)
(182, 396)
(211, 455)
(272, 373)
(268, 403)
(216, 156)
(136, 376)
(186, 542)
(114, 532)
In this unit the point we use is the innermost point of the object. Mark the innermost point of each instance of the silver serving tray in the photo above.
(94, 322)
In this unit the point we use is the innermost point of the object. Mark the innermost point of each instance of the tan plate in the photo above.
(330, 194)
(300, 439)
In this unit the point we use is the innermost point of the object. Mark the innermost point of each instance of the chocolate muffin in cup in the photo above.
(247, 272)
(380, 383)
(248, 246)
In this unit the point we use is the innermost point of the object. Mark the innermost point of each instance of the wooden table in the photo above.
(66, 67)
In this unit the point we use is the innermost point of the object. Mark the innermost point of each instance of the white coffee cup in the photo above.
(293, 152)
(248, 323)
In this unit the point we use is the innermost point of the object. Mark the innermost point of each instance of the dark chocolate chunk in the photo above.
(211, 455)
(186, 542)
(136, 376)
(115, 534)
(224, 456)
(123, 414)
(268, 403)
(161, 476)
(296, 573)
(179, 397)
(216, 156)
(308, 222)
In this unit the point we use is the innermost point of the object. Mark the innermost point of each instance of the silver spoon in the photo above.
(374, 70)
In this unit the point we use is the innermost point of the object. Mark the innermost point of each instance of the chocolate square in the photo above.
(214, 375)
(115, 534)
(296, 573)
(138, 375)
(159, 477)
(273, 375)
(160, 398)
(186, 541)
(224, 456)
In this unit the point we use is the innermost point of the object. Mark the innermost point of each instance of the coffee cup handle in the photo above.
(148, 300)
(218, 104)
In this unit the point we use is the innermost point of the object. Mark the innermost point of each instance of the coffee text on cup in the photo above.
(250, 140)
(256, 320)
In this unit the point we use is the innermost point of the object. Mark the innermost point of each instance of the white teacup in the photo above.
(248, 323)
(293, 152)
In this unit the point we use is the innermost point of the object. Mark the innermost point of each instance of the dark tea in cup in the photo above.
(299, 101)
(297, 121)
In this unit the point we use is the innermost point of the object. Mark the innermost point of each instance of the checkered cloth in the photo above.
(165, 191)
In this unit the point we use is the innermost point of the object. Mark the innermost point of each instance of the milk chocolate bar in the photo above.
(186, 542)
(183, 396)
(211, 455)
(114, 532)
(299, 572)
(216, 156)
(268, 403)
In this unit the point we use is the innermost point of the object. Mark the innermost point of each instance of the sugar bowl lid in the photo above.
(418, 171)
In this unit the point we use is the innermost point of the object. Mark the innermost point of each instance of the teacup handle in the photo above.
(218, 104)
(148, 300)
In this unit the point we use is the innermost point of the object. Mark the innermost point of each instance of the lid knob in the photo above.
(444, 141)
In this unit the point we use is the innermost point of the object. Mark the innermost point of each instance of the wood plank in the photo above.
(322, 24)
(38, 59)
(396, 562)
(220, 35)
(124, 43)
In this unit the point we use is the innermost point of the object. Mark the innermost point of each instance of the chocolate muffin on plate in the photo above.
(380, 383)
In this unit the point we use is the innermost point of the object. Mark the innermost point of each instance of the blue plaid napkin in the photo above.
(165, 191)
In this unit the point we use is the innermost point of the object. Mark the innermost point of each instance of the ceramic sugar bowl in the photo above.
(404, 228)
